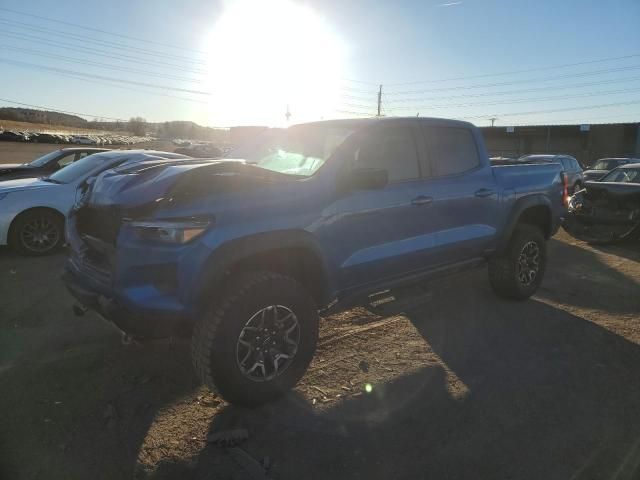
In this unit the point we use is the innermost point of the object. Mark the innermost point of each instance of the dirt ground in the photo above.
(468, 386)
(13, 152)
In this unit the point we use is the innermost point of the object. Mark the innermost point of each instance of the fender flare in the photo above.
(223, 258)
(519, 207)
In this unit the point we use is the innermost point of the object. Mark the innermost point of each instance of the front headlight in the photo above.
(170, 231)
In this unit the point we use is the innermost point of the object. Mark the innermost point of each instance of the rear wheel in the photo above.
(37, 232)
(517, 273)
(256, 342)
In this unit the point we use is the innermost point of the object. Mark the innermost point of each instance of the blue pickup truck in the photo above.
(244, 254)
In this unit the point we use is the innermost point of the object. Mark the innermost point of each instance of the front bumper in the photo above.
(121, 310)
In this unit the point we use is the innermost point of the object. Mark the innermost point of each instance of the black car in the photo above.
(10, 136)
(46, 164)
(47, 138)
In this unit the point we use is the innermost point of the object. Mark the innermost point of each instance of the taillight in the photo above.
(565, 189)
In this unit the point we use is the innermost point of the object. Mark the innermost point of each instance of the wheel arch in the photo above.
(292, 253)
(533, 210)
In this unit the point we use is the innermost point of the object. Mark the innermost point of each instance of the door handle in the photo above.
(421, 200)
(484, 192)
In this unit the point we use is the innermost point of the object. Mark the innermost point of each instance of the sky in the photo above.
(239, 62)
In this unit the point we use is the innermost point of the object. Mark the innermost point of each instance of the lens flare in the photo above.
(265, 56)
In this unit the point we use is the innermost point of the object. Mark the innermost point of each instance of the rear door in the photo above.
(376, 234)
(465, 195)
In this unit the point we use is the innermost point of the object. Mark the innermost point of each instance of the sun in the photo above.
(266, 55)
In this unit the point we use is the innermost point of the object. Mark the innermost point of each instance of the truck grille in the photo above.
(98, 227)
(102, 223)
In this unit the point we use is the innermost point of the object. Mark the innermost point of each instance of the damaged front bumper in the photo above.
(136, 312)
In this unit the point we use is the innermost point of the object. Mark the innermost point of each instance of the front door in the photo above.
(377, 236)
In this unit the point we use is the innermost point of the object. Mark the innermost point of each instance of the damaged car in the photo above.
(608, 210)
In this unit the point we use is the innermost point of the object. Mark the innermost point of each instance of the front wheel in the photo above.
(518, 272)
(37, 232)
(256, 342)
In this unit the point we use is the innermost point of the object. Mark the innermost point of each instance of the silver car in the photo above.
(570, 166)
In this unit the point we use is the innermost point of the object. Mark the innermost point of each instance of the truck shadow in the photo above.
(548, 395)
(582, 279)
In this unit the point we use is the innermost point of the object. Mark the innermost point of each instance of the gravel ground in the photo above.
(467, 386)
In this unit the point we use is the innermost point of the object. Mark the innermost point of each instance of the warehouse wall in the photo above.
(611, 140)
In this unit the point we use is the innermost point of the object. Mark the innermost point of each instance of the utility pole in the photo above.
(288, 114)
(493, 120)
(379, 100)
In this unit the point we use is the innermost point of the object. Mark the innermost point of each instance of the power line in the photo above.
(98, 64)
(102, 43)
(94, 51)
(148, 92)
(395, 101)
(513, 72)
(13, 102)
(515, 82)
(519, 100)
(100, 77)
(91, 29)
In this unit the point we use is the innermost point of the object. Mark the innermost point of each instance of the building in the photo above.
(587, 143)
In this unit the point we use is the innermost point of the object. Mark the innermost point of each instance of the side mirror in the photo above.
(364, 179)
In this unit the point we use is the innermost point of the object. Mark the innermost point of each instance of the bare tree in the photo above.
(137, 126)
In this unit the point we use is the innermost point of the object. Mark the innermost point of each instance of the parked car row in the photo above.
(87, 139)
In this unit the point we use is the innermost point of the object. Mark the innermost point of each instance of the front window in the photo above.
(78, 169)
(623, 175)
(299, 150)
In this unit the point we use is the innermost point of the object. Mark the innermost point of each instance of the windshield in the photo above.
(78, 169)
(607, 164)
(43, 160)
(299, 150)
(623, 175)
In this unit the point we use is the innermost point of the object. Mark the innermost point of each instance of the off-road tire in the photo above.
(215, 336)
(24, 219)
(503, 269)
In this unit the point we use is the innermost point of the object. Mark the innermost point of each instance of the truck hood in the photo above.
(23, 184)
(167, 182)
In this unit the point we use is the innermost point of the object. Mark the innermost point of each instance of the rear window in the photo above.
(452, 150)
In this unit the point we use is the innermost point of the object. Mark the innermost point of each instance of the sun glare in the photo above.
(267, 55)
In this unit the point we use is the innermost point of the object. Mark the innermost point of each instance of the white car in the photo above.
(82, 140)
(33, 210)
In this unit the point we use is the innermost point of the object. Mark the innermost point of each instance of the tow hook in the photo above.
(79, 310)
